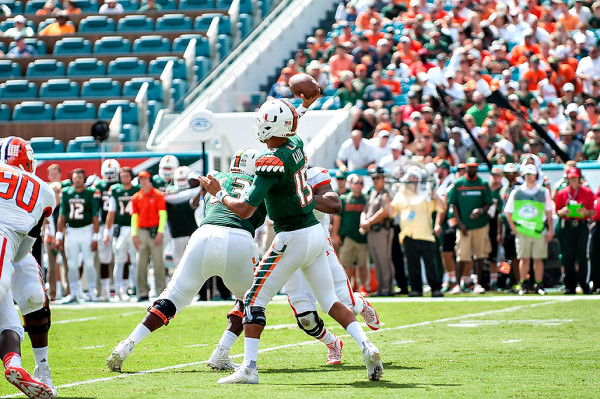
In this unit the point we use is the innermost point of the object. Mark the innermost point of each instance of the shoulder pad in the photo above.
(318, 176)
(269, 164)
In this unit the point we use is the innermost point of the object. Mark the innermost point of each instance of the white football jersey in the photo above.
(315, 177)
(24, 199)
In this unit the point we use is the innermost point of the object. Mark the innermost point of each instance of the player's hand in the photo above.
(365, 226)
(60, 245)
(106, 240)
(136, 242)
(476, 213)
(549, 236)
(307, 102)
(94, 246)
(463, 229)
(437, 229)
(210, 184)
(158, 239)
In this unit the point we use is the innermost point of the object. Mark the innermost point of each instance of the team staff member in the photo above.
(148, 221)
(573, 229)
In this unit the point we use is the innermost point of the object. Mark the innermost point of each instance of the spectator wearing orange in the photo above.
(374, 33)
(390, 81)
(363, 20)
(60, 27)
(534, 75)
(438, 12)
(568, 20)
(340, 62)
(148, 221)
(48, 9)
(71, 8)
(406, 54)
(518, 54)
(346, 34)
(561, 74)
(322, 43)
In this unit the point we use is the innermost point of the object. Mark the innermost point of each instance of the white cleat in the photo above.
(372, 360)
(334, 352)
(221, 360)
(45, 376)
(31, 387)
(119, 354)
(242, 375)
(369, 314)
(478, 289)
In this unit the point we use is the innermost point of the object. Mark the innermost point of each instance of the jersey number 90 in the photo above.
(24, 190)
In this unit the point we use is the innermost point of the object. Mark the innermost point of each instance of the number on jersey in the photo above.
(239, 187)
(23, 188)
(76, 211)
(303, 189)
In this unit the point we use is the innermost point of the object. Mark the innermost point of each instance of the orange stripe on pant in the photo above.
(267, 273)
(2, 255)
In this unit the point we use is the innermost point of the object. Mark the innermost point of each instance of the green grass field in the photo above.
(490, 346)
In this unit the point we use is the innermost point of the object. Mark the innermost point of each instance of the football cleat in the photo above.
(372, 360)
(334, 352)
(119, 354)
(478, 289)
(370, 315)
(242, 375)
(31, 387)
(220, 360)
(70, 299)
(45, 376)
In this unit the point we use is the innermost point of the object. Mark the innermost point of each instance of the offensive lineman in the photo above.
(110, 176)
(280, 181)
(166, 171)
(222, 246)
(24, 205)
(78, 226)
(118, 225)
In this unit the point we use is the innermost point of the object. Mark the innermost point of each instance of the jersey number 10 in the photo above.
(24, 190)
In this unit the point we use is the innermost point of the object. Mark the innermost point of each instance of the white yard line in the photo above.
(92, 318)
(312, 342)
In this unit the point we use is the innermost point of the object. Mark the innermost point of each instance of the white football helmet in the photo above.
(275, 118)
(110, 170)
(244, 161)
(180, 177)
(167, 166)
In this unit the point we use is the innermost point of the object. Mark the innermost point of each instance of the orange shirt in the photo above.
(518, 53)
(147, 205)
(54, 29)
(565, 74)
(533, 78)
(569, 21)
(363, 20)
(393, 84)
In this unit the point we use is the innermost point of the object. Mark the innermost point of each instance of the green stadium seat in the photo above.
(130, 5)
(151, 44)
(132, 87)
(202, 67)
(72, 45)
(90, 6)
(97, 24)
(75, 110)
(203, 21)
(4, 112)
(39, 45)
(196, 4)
(178, 87)
(86, 67)
(265, 7)
(46, 145)
(112, 44)
(49, 21)
(9, 69)
(245, 25)
(82, 144)
(135, 23)
(173, 22)
(202, 46)
(33, 5)
(101, 87)
(157, 65)
(167, 4)
(18, 89)
(245, 5)
(32, 111)
(45, 67)
(153, 108)
(59, 88)
(129, 111)
(130, 133)
(127, 66)
(224, 45)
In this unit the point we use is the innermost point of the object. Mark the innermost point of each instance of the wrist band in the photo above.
(301, 110)
(220, 195)
(59, 235)
(95, 237)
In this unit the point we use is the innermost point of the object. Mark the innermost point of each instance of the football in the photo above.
(302, 83)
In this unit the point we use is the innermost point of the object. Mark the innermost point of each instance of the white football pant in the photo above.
(78, 241)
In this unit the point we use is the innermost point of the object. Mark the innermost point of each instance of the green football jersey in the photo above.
(79, 207)
(281, 182)
(102, 188)
(160, 183)
(237, 185)
(122, 198)
(469, 195)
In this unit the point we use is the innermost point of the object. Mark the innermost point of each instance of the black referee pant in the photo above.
(573, 237)
(414, 251)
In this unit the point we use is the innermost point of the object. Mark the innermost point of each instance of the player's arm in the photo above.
(110, 219)
(327, 200)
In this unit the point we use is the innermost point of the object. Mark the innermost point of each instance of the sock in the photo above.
(357, 333)
(139, 333)
(493, 278)
(328, 337)
(75, 288)
(227, 340)
(251, 352)
(359, 304)
(464, 281)
(12, 359)
(105, 286)
(41, 357)
(452, 277)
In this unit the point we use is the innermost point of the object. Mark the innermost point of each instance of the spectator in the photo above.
(591, 147)
(568, 143)
(71, 8)
(355, 153)
(480, 109)
(20, 28)
(589, 68)
(60, 27)
(528, 210)
(389, 161)
(149, 6)
(394, 9)
(21, 50)
(148, 221)
(48, 9)
(315, 69)
(574, 205)
(111, 7)
(312, 52)
(281, 88)
(366, 54)
(363, 19)
(339, 63)
(340, 178)
(376, 97)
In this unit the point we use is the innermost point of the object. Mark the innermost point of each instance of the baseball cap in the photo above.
(405, 39)
(573, 172)
(571, 108)
(442, 163)
(287, 70)
(496, 170)
(422, 51)
(396, 143)
(566, 130)
(383, 133)
(19, 18)
(361, 67)
(376, 171)
(511, 168)
(529, 170)
(144, 173)
(543, 122)
(568, 87)
(461, 166)
(311, 40)
(472, 161)
(382, 42)
(341, 174)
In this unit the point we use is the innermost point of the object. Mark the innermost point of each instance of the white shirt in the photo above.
(105, 9)
(588, 66)
(357, 158)
(456, 91)
(583, 15)
(444, 184)
(388, 162)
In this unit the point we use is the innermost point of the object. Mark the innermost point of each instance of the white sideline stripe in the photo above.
(510, 341)
(403, 342)
(92, 318)
(93, 347)
(312, 342)
(194, 346)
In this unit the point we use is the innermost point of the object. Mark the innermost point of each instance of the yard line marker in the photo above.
(91, 318)
(93, 347)
(304, 343)
(194, 346)
(510, 341)
(403, 342)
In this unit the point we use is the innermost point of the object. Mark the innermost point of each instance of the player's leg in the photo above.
(143, 260)
(72, 244)
(220, 359)
(120, 256)
(105, 257)
(88, 259)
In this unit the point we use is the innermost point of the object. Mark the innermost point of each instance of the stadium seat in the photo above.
(82, 144)
(129, 133)
(224, 45)
(72, 45)
(135, 23)
(75, 110)
(196, 4)
(59, 88)
(246, 6)
(89, 6)
(151, 44)
(33, 5)
(32, 111)
(167, 4)
(112, 44)
(130, 5)
(18, 89)
(9, 23)
(39, 45)
(107, 110)
(86, 67)
(265, 7)
(9, 69)
(3, 48)
(132, 87)
(157, 65)
(202, 45)
(245, 25)
(203, 21)
(127, 66)
(15, 6)
(202, 67)
(46, 145)
(97, 24)
(173, 22)
(101, 87)
(153, 108)
(4, 112)
(45, 67)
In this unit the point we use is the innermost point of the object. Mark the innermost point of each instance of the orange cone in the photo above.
(373, 284)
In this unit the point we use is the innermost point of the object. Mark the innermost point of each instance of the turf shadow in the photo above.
(331, 367)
